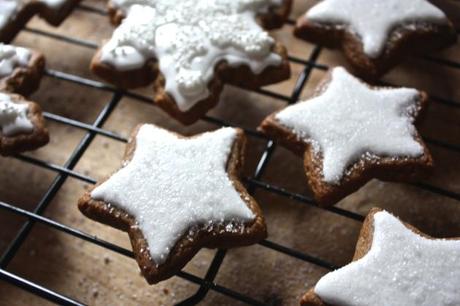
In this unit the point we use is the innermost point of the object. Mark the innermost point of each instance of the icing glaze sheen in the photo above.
(13, 117)
(374, 20)
(9, 8)
(12, 57)
(188, 38)
(173, 185)
(401, 268)
(349, 121)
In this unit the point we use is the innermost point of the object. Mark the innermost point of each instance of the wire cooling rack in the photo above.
(252, 183)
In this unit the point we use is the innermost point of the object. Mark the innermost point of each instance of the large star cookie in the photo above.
(375, 35)
(394, 264)
(350, 133)
(190, 48)
(175, 195)
(22, 127)
(14, 14)
(21, 69)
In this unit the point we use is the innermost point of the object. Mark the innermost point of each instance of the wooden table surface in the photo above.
(96, 276)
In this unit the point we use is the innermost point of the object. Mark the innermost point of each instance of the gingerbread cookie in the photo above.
(175, 195)
(394, 264)
(22, 125)
(14, 14)
(190, 48)
(21, 69)
(376, 35)
(350, 133)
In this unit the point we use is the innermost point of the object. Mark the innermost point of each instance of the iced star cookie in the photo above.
(21, 69)
(191, 48)
(349, 133)
(175, 195)
(22, 127)
(376, 35)
(14, 14)
(394, 264)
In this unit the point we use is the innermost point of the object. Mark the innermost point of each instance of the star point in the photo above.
(349, 120)
(373, 21)
(174, 185)
(400, 268)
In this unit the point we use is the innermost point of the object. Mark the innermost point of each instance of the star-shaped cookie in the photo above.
(350, 133)
(14, 14)
(22, 127)
(394, 264)
(375, 35)
(191, 48)
(175, 195)
(21, 69)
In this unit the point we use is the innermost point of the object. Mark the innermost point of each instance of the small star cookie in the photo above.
(22, 127)
(175, 195)
(375, 35)
(14, 14)
(350, 133)
(394, 264)
(21, 69)
(191, 48)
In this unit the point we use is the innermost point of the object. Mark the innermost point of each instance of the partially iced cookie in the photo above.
(22, 125)
(14, 14)
(21, 69)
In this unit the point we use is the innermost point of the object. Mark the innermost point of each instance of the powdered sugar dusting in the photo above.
(401, 268)
(349, 121)
(373, 20)
(172, 186)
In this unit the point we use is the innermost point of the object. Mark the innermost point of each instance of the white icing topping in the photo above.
(401, 268)
(173, 185)
(11, 57)
(349, 121)
(374, 20)
(13, 117)
(189, 37)
(9, 8)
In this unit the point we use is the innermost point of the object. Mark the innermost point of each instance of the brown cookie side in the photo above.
(402, 42)
(30, 8)
(191, 243)
(39, 137)
(25, 80)
(241, 76)
(363, 246)
(361, 171)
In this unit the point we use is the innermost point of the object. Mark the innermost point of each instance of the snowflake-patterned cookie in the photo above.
(14, 14)
(191, 48)
(175, 195)
(350, 132)
(394, 264)
(374, 34)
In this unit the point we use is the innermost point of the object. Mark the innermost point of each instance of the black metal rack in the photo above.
(92, 130)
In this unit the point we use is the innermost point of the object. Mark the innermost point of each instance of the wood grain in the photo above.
(97, 276)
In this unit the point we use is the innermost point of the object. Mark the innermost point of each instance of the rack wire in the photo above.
(253, 183)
